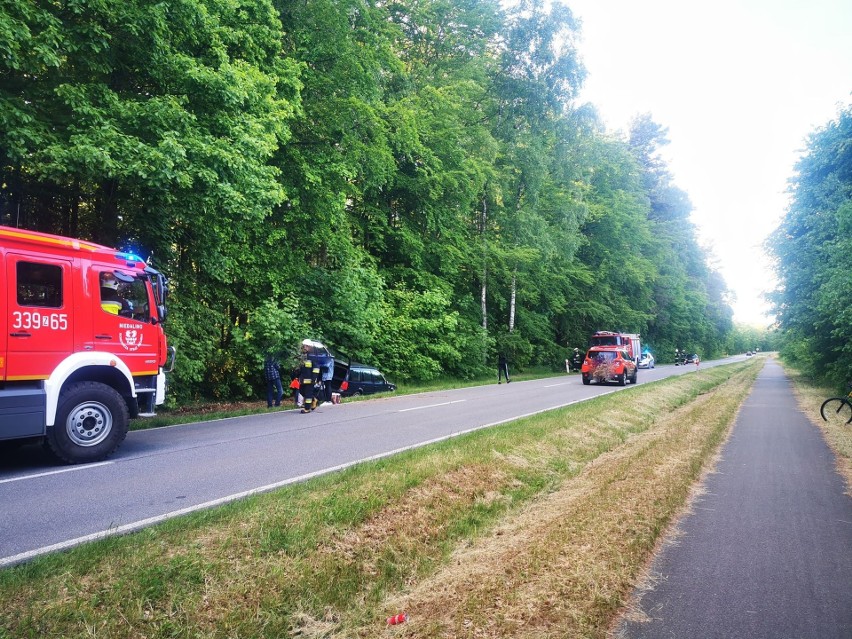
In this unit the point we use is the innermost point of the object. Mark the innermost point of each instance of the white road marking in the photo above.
(456, 401)
(55, 472)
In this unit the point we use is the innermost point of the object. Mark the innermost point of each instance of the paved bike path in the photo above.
(766, 552)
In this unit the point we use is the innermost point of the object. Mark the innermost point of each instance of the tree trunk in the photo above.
(512, 303)
(71, 213)
(484, 309)
(107, 213)
(484, 288)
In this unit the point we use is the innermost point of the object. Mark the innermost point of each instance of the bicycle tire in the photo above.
(836, 409)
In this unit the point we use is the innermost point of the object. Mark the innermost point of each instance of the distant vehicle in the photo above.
(749, 353)
(647, 361)
(607, 364)
(354, 379)
(692, 359)
(628, 341)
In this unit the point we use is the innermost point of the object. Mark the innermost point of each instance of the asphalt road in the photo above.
(767, 551)
(162, 473)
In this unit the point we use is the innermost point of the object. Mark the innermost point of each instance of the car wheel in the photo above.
(622, 380)
(635, 376)
(586, 381)
(91, 422)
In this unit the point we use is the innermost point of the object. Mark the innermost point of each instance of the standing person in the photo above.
(577, 360)
(309, 374)
(272, 372)
(502, 369)
(327, 374)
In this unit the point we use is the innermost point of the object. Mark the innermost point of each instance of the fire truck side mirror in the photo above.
(161, 313)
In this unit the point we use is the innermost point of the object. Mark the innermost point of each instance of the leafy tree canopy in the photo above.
(411, 182)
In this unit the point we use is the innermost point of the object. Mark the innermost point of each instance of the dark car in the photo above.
(692, 359)
(360, 379)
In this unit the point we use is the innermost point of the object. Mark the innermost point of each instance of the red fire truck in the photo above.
(628, 341)
(83, 348)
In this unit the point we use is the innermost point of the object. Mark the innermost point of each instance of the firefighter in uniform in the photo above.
(309, 375)
(111, 300)
(576, 359)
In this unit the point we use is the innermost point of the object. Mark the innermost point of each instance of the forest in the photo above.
(812, 249)
(415, 183)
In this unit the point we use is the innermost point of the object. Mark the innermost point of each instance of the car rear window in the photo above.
(603, 356)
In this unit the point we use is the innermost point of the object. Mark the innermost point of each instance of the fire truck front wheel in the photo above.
(91, 422)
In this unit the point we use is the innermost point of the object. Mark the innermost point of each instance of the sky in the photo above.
(740, 84)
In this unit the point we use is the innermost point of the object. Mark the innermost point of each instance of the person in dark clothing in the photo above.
(577, 360)
(502, 369)
(272, 372)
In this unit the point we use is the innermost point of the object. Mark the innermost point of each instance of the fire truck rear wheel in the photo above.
(91, 422)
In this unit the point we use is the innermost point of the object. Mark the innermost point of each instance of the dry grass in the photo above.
(537, 528)
(563, 565)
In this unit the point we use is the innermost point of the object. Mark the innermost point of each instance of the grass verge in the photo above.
(530, 529)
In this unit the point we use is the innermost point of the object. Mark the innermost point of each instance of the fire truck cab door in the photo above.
(38, 318)
(122, 320)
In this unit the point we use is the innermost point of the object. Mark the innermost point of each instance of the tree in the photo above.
(534, 224)
(408, 181)
(149, 126)
(813, 256)
(690, 308)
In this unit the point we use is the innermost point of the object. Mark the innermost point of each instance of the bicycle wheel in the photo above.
(836, 410)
